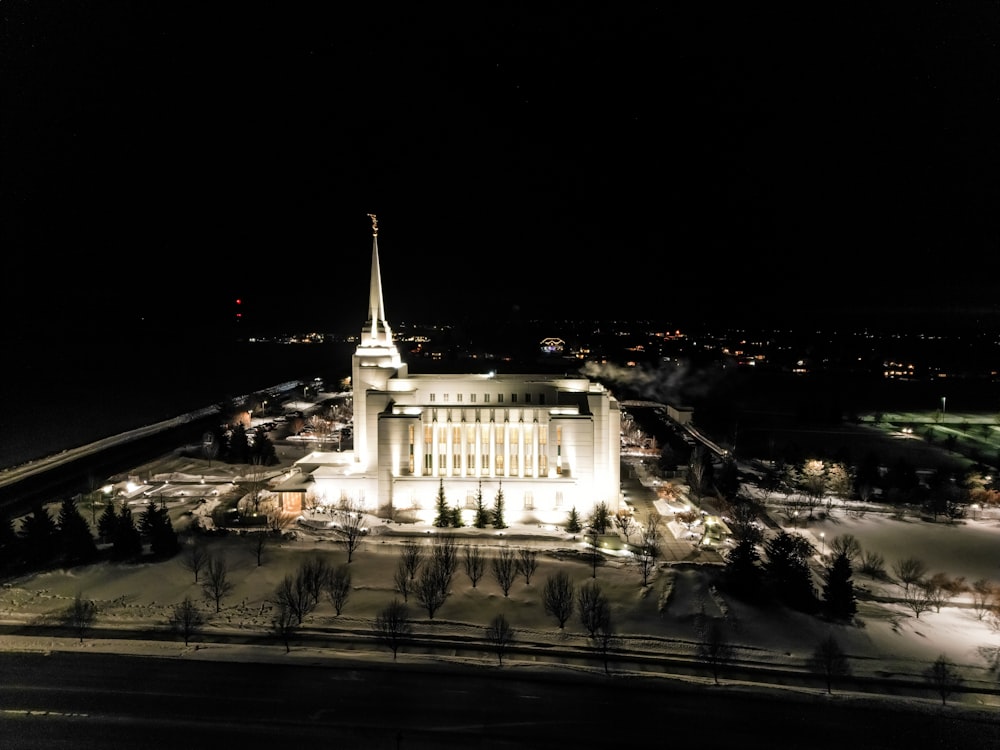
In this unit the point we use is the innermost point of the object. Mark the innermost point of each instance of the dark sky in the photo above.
(628, 160)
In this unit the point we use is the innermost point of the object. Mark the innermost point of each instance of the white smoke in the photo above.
(671, 382)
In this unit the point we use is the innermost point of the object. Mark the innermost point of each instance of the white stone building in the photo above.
(550, 443)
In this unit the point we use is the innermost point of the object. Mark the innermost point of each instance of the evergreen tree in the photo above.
(126, 543)
(443, 516)
(239, 446)
(157, 529)
(838, 591)
(498, 519)
(107, 523)
(601, 519)
(76, 540)
(787, 568)
(263, 452)
(482, 514)
(456, 518)
(573, 526)
(742, 574)
(40, 536)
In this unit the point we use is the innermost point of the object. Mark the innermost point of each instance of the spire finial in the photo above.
(374, 219)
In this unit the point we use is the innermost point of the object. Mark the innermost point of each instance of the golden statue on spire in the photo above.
(374, 219)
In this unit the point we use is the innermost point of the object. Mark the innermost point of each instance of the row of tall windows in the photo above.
(518, 449)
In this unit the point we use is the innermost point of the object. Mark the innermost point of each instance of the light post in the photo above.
(795, 519)
(822, 540)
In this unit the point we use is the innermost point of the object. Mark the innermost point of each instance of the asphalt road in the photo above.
(83, 701)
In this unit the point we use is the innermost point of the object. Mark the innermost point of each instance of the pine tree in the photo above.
(601, 519)
(126, 542)
(838, 591)
(788, 573)
(156, 528)
(482, 514)
(456, 518)
(40, 536)
(76, 540)
(573, 526)
(107, 523)
(742, 574)
(443, 517)
(498, 519)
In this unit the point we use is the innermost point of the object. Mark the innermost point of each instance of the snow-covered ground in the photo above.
(657, 622)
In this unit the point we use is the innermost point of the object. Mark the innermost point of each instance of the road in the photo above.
(84, 701)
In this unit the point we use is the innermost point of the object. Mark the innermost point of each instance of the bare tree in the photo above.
(500, 635)
(698, 468)
(338, 587)
(848, 544)
(431, 590)
(259, 540)
(918, 599)
(186, 619)
(606, 640)
(351, 520)
(909, 571)
(505, 569)
(315, 573)
(593, 607)
(593, 537)
(625, 523)
(255, 485)
(527, 563)
(714, 647)
(475, 563)
(813, 481)
(829, 659)
(284, 624)
(983, 596)
(80, 616)
(411, 555)
(404, 583)
(873, 565)
(558, 597)
(217, 585)
(392, 625)
(649, 547)
(293, 594)
(943, 677)
(444, 557)
(195, 557)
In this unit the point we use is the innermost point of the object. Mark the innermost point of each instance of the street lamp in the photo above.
(795, 519)
(822, 539)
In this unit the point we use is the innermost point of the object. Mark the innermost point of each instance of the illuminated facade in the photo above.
(551, 443)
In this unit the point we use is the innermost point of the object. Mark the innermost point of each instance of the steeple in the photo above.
(375, 362)
(377, 331)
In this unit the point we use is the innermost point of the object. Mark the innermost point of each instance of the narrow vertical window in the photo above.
(428, 450)
(543, 451)
(559, 466)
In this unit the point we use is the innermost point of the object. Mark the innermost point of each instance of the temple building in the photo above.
(549, 443)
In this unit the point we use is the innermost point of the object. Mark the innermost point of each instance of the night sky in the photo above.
(629, 160)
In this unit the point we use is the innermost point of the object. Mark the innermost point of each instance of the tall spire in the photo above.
(376, 327)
